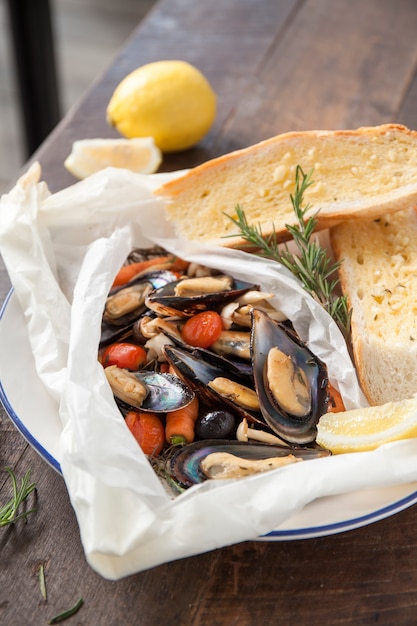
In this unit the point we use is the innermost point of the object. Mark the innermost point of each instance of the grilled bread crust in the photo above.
(363, 173)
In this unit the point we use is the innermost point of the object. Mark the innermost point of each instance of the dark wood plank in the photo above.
(407, 114)
(247, 584)
(51, 538)
(333, 69)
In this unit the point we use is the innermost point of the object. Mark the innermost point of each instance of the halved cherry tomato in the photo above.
(148, 431)
(202, 329)
(125, 355)
(335, 403)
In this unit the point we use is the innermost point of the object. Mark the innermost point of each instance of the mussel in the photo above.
(233, 343)
(148, 391)
(239, 311)
(262, 373)
(230, 352)
(199, 372)
(188, 466)
(124, 304)
(290, 380)
(188, 296)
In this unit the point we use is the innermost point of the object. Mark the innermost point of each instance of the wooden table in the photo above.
(276, 65)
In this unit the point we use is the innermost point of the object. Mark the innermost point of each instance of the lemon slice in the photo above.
(88, 156)
(366, 429)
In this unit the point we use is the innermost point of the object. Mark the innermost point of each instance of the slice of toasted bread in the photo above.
(378, 274)
(358, 173)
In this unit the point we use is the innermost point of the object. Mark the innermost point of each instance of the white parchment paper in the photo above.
(62, 252)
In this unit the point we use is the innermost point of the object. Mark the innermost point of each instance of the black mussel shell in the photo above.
(110, 334)
(164, 300)
(184, 465)
(197, 372)
(266, 334)
(139, 288)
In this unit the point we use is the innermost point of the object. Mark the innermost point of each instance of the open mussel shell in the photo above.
(238, 367)
(126, 303)
(242, 370)
(197, 371)
(309, 373)
(184, 466)
(172, 300)
(165, 393)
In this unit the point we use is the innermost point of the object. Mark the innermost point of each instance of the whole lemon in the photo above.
(170, 101)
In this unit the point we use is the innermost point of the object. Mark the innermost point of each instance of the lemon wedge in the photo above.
(366, 429)
(88, 156)
(171, 101)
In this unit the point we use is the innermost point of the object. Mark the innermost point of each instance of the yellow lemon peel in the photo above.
(171, 101)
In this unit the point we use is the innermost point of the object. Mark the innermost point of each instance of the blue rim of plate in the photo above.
(345, 525)
(290, 534)
(43, 452)
(26, 433)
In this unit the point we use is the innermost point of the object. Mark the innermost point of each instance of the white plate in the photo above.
(25, 400)
(35, 415)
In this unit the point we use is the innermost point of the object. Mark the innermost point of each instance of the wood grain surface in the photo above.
(276, 65)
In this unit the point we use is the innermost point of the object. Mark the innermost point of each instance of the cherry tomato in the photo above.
(335, 403)
(202, 329)
(127, 356)
(127, 272)
(148, 431)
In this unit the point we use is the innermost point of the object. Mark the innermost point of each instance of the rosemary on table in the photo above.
(68, 613)
(9, 513)
(42, 582)
(311, 265)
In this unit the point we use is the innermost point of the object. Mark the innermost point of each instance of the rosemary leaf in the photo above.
(9, 513)
(42, 583)
(68, 613)
(311, 265)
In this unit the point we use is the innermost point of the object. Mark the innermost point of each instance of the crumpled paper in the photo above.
(62, 252)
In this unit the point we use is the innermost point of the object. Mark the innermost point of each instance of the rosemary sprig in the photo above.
(312, 266)
(9, 513)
